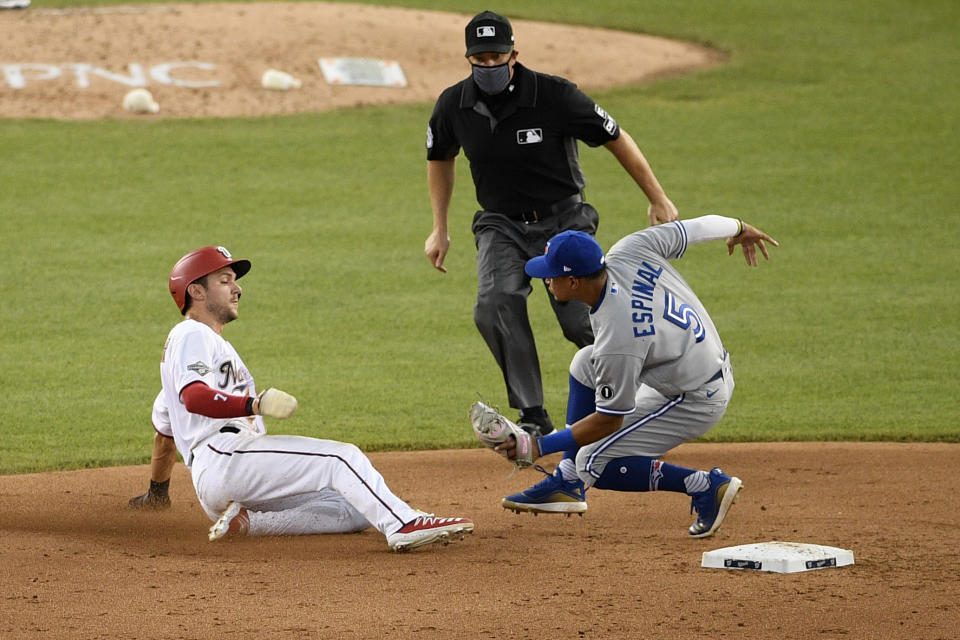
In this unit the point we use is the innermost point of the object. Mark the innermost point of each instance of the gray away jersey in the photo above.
(650, 327)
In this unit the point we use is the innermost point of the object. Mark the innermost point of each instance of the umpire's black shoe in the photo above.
(535, 421)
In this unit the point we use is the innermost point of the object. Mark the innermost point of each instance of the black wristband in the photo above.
(250, 406)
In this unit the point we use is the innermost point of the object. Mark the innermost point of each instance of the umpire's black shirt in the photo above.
(522, 143)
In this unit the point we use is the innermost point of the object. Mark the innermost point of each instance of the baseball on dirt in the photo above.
(140, 101)
(279, 80)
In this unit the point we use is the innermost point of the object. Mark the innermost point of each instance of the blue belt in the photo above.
(717, 376)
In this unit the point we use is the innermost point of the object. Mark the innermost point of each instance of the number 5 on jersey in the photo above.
(682, 315)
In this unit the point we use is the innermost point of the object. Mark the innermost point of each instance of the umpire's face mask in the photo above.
(492, 80)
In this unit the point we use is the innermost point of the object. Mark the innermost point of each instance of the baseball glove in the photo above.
(493, 429)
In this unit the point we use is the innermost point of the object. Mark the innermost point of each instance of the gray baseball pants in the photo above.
(658, 424)
(503, 247)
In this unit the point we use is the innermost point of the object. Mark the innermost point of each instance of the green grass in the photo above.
(833, 126)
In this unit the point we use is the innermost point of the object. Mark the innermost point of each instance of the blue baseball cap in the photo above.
(570, 253)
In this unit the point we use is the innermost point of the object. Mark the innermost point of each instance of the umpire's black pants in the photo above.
(503, 247)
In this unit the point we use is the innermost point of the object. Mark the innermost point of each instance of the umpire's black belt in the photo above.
(538, 214)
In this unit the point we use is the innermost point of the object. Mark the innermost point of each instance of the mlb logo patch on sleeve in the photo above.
(529, 136)
(609, 124)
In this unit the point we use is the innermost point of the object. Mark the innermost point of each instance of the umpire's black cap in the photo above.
(489, 31)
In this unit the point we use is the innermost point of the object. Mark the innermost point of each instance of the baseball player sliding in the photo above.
(248, 482)
(656, 376)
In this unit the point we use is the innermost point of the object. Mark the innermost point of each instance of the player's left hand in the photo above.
(751, 238)
(662, 211)
(502, 435)
(509, 448)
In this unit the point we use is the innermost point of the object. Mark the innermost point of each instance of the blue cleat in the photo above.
(712, 505)
(553, 494)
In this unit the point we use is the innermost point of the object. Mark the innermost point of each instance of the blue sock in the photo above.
(581, 401)
(639, 473)
(580, 404)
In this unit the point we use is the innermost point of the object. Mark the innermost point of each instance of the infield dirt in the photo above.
(78, 564)
(207, 59)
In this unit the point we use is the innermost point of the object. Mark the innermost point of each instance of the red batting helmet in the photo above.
(197, 264)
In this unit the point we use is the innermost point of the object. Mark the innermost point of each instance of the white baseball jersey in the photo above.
(161, 417)
(196, 353)
(649, 325)
(290, 484)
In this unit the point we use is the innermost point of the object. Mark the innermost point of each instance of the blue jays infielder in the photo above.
(656, 376)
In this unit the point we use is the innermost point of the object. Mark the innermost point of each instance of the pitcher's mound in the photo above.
(202, 60)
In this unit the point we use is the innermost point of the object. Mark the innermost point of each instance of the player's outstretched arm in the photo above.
(199, 398)
(751, 238)
(161, 468)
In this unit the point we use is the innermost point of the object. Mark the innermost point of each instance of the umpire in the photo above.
(519, 130)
